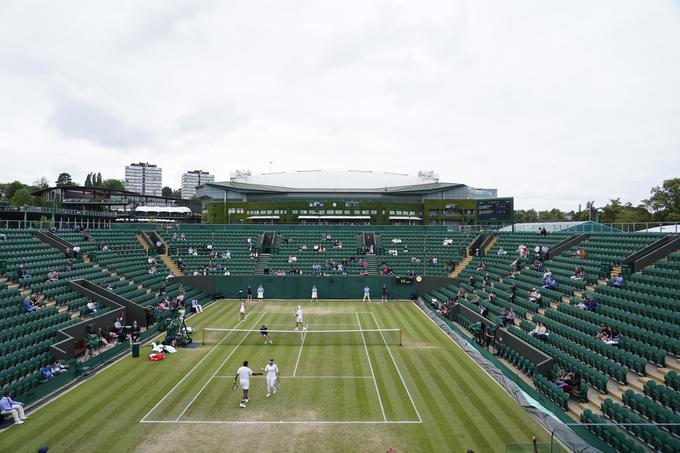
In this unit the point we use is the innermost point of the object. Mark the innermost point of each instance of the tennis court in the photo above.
(341, 369)
(338, 392)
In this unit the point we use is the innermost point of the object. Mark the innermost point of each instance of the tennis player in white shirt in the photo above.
(271, 374)
(299, 324)
(243, 375)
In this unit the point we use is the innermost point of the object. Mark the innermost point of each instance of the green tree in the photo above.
(166, 191)
(11, 188)
(22, 197)
(99, 180)
(665, 201)
(64, 180)
(116, 184)
(41, 183)
(88, 180)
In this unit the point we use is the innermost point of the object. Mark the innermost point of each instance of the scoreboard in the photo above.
(495, 210)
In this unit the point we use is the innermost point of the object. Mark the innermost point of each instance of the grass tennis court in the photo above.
(339, 391)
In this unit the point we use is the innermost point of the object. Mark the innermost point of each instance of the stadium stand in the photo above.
(631, 377)
(26, 333)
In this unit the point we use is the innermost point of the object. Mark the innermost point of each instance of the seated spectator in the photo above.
(69, 253)
(535, 296)
(57, 368)
(611, 336)
(618, 281)
(589, 304)
(492, 297)
(546, 275)
(581, 253)
(292, 259)
(603, 332)
(579, 273)
(76, 251)
(481, 266)
(471, 280)
(540, 332)
(538, 265)
(484, 311)
(195, 306)
(550, 284)
(28, 305)
(516, 264)
(508, 316)
(502, 251)
(46, 372)
(227, 254)
(22, 272)
(92, 307)
(227, 272)
(447, 242)
(13, 408)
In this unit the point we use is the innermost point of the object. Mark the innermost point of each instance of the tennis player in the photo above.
(271, 374)
(243, 375)
(264, 331)
(242, 311)
(298, 319)
(315, 294)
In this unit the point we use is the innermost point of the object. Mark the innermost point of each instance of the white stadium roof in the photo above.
(322, 179)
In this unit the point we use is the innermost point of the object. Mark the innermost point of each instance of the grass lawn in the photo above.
(343, 393)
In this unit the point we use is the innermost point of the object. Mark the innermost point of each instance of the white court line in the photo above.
(398, 371)
(216, 371)
(308, 377)
(297, 362)
(187, 375)
(316, 324)
(287, 422)
(371, 367)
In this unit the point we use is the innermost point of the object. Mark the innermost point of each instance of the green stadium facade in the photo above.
(358, 197)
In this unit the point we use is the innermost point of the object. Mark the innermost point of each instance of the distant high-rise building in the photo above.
(193, 179)
(144, 178)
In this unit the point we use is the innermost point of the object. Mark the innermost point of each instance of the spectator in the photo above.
(92, 307)
(579, 273)
(195, 306)
(28, 305)
(540, 332)
(589, 304)
(502, 251)
(481, 266)
(46, 372)
(14, 408)
(135, 331)
(508, 316)
(618, 281)
(581, 253)
(76, 251)
(550, 283)
(484, 311)
(471, 280)
(22, 272)
(535, 296)
(57, 368)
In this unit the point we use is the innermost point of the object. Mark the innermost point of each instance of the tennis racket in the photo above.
(234, 386)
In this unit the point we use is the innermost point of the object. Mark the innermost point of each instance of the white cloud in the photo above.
(553, 103)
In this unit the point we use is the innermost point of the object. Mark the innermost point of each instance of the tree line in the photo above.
(663, 205)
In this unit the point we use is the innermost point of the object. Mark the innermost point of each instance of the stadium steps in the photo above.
(262, 263)
(461, 266)
(143, 242)
(490, 245)
(171, 265)
(372, 268)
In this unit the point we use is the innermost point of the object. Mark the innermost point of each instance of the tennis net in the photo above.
(391, 337)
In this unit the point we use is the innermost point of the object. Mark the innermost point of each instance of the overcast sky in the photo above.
(554, 103)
